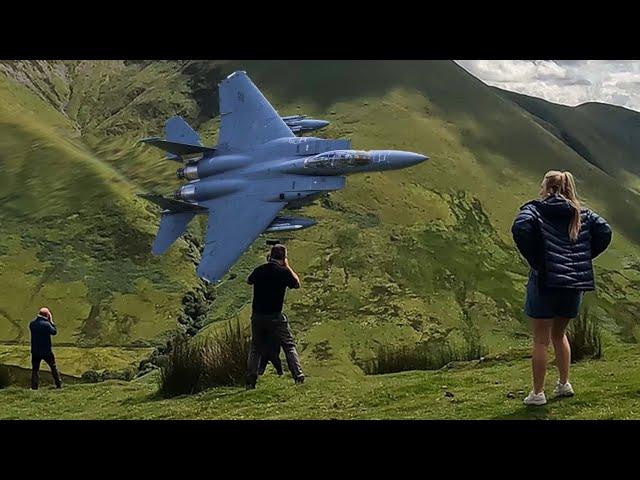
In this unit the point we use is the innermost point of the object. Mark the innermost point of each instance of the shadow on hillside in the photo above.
(21, 377)
(326, 82)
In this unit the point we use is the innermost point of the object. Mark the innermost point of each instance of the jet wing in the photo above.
(247, 119)
(171, 205)
(177, 149)
(234, 223)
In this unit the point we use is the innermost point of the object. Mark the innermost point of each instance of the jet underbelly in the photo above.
(299, 187)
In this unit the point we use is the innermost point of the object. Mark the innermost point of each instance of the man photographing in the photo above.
(42, 328)
(268, 323)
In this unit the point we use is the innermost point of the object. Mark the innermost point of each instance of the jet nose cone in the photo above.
(418, 158)
(406, 159)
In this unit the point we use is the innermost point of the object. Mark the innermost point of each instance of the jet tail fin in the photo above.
(181, 142)
(176, 216)
(179, 131)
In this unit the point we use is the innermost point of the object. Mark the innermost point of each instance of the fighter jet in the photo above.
(258, 168)
(301, 124)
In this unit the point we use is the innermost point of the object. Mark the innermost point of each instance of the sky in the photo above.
(569, 82)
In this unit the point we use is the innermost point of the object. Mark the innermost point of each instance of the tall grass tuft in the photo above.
(585, 337)
(181, 372)
(392, 359)
(225, 357)
(195, 365)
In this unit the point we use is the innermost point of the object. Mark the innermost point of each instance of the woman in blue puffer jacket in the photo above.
(559, 240)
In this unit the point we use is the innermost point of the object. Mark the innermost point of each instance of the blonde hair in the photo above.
(564, 185)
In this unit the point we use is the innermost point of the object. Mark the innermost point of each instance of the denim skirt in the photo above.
(551, 303)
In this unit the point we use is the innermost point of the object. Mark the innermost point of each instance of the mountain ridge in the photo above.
(608, 136)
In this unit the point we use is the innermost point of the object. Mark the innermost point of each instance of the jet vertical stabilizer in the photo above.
(181, 142)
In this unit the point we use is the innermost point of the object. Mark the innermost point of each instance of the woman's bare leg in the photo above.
(561, 347)
(541, 334)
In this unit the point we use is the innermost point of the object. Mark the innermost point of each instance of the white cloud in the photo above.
(569, 82)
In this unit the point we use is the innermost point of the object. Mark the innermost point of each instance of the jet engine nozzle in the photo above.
(186, 193)
(189, 172)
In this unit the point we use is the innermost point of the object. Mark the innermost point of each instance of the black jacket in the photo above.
(41, 331)
(541, 233)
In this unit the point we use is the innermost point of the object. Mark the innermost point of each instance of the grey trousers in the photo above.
(265, 328)
(50, 360)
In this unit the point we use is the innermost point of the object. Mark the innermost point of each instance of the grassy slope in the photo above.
(75, 238)
(480, 392)
(412, 255)
(75, 361)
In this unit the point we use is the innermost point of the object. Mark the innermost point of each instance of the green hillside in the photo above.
(605, 135)
(416, 255)
(75, 237)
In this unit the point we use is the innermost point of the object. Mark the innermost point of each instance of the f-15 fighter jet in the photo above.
(258, 168)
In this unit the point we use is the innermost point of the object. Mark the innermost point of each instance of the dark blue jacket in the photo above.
(541, 233)
(41, 331)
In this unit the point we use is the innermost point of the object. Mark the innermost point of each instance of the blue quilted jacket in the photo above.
(541, 233)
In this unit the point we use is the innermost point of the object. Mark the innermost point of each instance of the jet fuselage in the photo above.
(288, 175)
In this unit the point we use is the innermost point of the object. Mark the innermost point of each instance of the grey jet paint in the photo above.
(258, 168)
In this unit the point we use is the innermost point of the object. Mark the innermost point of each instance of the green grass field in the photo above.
(605, 389)
(75, 237)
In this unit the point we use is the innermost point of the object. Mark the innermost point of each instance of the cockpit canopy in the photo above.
(338, 159)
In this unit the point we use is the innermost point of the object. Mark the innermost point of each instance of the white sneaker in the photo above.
(563, 390)
(535, 399)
